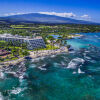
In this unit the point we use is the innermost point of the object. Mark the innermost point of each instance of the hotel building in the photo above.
(32, 43)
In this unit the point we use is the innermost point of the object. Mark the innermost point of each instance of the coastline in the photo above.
(40, 53)
(75, 36)
(35, 54)
(43, 53)
(12, 62)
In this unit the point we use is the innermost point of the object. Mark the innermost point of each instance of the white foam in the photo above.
(52, 56)
(62, 63)
(37, 59)
(1, 97)
(21, 77)
(2, 75)
(74, 63)
(41, 68)
(87, 57)
(32, 66)
(79, 71)
(16, 91)
(74, 72)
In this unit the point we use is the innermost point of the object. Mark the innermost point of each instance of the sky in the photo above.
(77, 9)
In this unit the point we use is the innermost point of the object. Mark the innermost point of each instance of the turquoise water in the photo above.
(89, 38)
(72, 76)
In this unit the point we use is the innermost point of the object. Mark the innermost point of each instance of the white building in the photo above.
(32, 43)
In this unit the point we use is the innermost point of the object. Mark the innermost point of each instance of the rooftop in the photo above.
(6, 35)
(4, 52)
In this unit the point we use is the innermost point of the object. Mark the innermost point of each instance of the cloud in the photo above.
(85, 17)
(59, 14)
(11, 14)
(69, 15)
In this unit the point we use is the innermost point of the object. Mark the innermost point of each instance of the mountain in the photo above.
(41, 18)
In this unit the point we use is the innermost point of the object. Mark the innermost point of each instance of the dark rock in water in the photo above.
(11, 74)
(70, 49)
(25, 76)
(28, 58)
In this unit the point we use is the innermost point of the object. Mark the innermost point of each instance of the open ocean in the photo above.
(72, 76)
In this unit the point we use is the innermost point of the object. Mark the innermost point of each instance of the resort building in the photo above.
(4, 53)
(32, 43)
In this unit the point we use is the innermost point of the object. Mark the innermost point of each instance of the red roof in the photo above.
(3, 52)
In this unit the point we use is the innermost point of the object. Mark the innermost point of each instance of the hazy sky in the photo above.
(79, 9)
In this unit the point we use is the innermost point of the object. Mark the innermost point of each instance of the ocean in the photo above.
(67, 76)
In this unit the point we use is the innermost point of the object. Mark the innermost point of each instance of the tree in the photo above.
(25, 53)
(60, 39)
(3, 44)
(51, 38)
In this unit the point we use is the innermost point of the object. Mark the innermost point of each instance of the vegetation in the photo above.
(46, 31)
(48, 47)
(16, 51)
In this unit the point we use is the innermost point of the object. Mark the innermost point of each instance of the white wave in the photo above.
(2, 75)
(16, 91)
(74, 63)
(21, 77)
(87, 51)
(89, 58)
(74, 72)
(1, 97)
(72, 52)
(32, 66)
(41, 68)
(79, 71)
(62, 63)
(52, 56)
(37, 59)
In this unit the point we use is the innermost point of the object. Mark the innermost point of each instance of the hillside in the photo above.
(41, 18)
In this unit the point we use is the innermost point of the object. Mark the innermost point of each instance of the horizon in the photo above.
(81, 10)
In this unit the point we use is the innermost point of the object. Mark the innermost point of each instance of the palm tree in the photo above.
(51, 38)
(65, 43)
(60, 41)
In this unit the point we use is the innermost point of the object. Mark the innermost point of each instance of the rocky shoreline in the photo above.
(12, 62)
(43, 53)
(35, 54)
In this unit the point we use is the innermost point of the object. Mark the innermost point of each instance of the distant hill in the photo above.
(41, 18)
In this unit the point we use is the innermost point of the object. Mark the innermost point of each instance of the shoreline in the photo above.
(12, 62)
(40, 53)
(75, 36)
(43, 53)
(35, 54)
